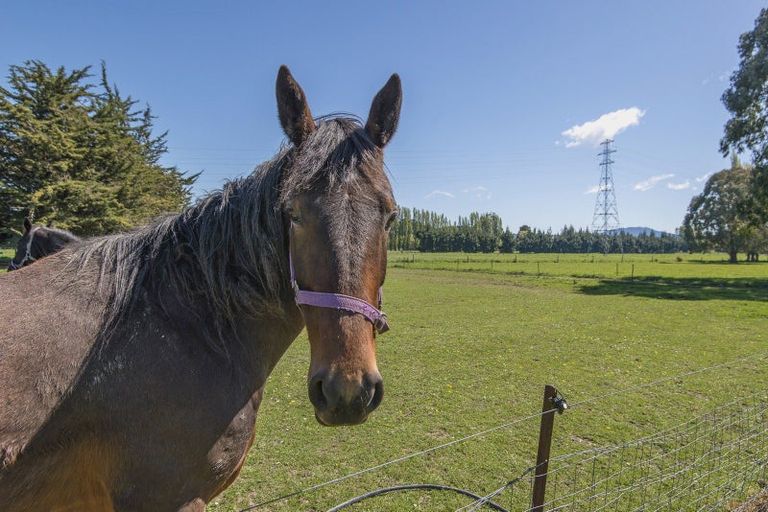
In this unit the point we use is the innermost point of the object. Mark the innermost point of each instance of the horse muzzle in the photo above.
(343, 401)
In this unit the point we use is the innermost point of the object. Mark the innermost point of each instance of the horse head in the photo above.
(337, 226)
(37, 242)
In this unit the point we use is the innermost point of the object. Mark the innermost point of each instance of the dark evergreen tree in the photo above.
(78, 154)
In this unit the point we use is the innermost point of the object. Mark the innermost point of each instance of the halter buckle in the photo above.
(381, 324)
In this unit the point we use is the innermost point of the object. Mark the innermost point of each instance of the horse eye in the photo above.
(391, 220)
(295, 217)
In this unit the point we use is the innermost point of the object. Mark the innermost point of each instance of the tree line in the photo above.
(428, 231)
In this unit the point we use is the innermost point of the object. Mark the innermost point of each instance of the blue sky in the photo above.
(490, 88)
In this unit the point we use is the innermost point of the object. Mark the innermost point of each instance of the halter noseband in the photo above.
(339, 301)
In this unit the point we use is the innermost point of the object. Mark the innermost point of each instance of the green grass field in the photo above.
(472, 349)
(5, 257)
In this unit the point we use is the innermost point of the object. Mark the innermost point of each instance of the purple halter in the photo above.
(339, 301)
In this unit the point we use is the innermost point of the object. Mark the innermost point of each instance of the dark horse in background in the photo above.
(132, 366)
(38, 242)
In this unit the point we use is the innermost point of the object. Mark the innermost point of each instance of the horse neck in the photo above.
(56, 242)
(241, 263)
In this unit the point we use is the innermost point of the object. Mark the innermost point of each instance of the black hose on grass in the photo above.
(412, 487)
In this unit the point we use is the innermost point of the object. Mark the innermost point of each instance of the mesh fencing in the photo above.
(707, 463)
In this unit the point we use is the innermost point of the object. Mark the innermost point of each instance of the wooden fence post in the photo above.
(545, 443)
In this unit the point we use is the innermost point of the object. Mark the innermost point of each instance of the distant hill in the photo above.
(639, 230)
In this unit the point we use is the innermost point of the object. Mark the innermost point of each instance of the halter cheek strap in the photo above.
(339, 301)
(28, 255)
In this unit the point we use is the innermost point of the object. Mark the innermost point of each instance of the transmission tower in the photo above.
(606, 217)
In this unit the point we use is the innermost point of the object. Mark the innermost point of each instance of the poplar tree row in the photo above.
(428, 231)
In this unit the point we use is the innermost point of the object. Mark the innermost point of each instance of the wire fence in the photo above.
(699, 465)
(709, 462)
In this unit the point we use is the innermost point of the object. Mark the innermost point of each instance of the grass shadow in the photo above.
(693, 288)
(725, 261)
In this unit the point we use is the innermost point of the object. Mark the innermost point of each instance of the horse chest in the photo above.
(198, 461)
(187, 435)
(228, 455)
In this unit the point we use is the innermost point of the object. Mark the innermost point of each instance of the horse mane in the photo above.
(225, 256)
(58, 238)
(63, 233)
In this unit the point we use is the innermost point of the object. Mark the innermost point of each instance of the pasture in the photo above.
(6, 254)
(471, 349)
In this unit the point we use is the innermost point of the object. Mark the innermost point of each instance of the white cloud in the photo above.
(645, 185)
(439, 193)
(592, 190)
(478, 192)
(703, 177)
(606, 126)
(679, 186)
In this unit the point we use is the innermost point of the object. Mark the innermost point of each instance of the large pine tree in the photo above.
(80, 155)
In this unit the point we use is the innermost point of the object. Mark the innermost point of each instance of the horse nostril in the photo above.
(316, 393)
(376, 394)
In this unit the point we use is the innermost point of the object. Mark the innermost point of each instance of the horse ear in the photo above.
(385, 112)
(292, 107)
(27, 225)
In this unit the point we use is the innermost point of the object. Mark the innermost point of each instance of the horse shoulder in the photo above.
(46, 337)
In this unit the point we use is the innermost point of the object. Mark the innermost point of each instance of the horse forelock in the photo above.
(226, 256)
(341, 164)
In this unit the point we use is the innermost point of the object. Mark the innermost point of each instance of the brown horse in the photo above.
(38, 242)
(132, 366)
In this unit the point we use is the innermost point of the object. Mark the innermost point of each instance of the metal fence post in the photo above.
(545, 443)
